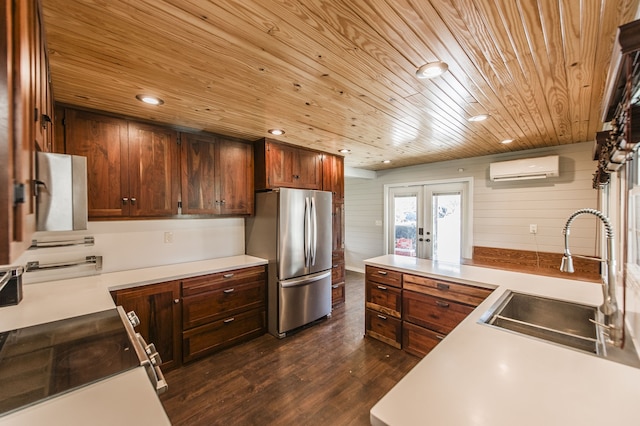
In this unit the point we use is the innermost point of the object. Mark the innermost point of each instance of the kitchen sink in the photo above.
(560, 322)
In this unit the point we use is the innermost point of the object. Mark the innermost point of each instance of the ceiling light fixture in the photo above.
(386, 161)
(479, 117)
(344, 151)
(506, 141)
(432, 69)
(148, 99)
(276, 132)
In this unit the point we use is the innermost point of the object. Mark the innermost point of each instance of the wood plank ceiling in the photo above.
(341, 73)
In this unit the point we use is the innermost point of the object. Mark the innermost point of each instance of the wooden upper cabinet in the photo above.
(217, 175)
(235, 190)
(333, 176)
(104, 141)
(153, 171)
(23, 82)
(132, 168)
(278, 165)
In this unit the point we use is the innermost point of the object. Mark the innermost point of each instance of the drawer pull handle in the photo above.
(228, 275)
(335, 286)
(382, 272)
(228, 320)
(381, 287)
(176, 301)
(439, 336)
(442, 286)
(442, 304)
(382, 317)
(229, 290)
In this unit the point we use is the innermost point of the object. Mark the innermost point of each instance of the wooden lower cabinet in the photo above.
(384, 328)
(158, 308)
(413, 312)
(221, 309)
(419, 340)
(206, 339)
(190, 318)
(337, 278)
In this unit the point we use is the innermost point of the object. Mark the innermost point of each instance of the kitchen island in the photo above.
(126, 398)
(481, 375)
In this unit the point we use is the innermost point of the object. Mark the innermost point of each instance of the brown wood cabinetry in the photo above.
(222, 309)
(158, 308)
(132, 168)
(25, 102)
(217, 175)
(333, 176)
(338, 293)
(431, 308)
(413, 312)
(279, 165)
(383, 302)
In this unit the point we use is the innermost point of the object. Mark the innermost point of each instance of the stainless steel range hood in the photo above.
(61, 192)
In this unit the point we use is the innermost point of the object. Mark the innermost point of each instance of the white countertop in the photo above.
(127, 398)
(480, 375)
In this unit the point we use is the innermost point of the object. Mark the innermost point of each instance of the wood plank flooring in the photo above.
(327, 374)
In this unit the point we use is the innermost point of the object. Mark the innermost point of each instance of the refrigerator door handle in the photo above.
(307, 232)
(307, 279)
(314, 231)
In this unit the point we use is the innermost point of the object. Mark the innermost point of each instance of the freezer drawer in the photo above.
(303, 300)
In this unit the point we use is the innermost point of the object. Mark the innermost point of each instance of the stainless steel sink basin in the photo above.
(557, 321)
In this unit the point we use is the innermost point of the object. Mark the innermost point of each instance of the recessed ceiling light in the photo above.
(506, 141)
(344, 151)
(386, 161)
(479, 117)
(148, 99)
(276, 132)
(432, 69)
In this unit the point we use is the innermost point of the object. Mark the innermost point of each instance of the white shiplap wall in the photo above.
(502, 211)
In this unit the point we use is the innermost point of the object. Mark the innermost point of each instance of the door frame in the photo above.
(467, 212)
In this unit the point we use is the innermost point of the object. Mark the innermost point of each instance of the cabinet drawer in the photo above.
(384, 276)
(337, 272)
(222, 280)
(419, 340)
(217, 335)
(383, 328)
(223, 301)
(337, 294)
(384, 299)
(463, 293)
(438, 314)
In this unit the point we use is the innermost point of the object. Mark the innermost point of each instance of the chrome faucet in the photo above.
(613, 322)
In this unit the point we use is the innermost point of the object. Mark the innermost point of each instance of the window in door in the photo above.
(429, 221)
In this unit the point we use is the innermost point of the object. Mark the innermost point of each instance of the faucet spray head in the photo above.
(567, 264)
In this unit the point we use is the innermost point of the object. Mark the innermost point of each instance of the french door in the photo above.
(428, 221)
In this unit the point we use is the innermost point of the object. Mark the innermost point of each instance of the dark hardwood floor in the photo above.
(327, 374)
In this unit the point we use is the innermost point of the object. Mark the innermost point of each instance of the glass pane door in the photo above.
(447, 226)
(405, 216)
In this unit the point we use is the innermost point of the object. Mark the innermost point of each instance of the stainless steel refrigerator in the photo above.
(292, 229)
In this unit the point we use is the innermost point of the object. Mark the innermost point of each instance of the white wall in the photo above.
(502, 211)
(139, 244)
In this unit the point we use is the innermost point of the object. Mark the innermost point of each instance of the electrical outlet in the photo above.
(533, 228)
(168, 237)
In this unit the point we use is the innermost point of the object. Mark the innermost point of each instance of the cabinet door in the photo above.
(307, 169)
(198, 158)
(158, 308)
(279, 165)
(333, 176)
(103, 140)
(17, 101)
(153, 171)
(235, 178)
(337, 225)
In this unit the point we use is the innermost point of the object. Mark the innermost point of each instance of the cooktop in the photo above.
(46, 360)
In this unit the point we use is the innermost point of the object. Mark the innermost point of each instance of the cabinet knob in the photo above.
(125, 200)
(133, 201)
(176, 301)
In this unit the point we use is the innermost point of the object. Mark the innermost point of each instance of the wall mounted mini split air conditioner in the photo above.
(525, 168)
